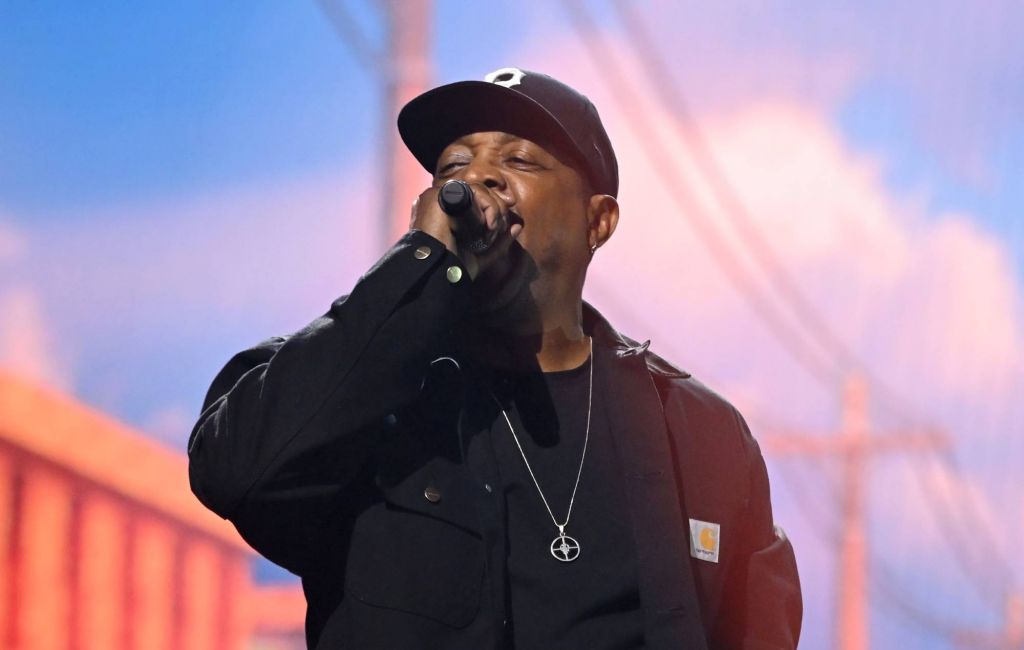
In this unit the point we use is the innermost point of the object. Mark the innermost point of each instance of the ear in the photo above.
(602, 218)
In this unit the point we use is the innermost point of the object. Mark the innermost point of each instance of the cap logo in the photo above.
(507, 77)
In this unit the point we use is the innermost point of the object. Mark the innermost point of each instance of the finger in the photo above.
(500, 244)
(493, 206)
(484, 204)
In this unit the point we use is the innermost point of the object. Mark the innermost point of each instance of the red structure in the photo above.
(408, 74)
(102, 544)
(854, 445)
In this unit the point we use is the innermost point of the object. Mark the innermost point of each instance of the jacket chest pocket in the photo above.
(419, 551)
(409, 562)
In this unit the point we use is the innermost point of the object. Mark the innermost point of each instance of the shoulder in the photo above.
(698, 412)
(677, 384)
(691, 408)
(718, 453)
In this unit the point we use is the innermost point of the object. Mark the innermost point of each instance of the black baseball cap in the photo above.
(528, 104)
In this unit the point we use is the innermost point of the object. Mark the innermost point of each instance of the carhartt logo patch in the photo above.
(705, 540)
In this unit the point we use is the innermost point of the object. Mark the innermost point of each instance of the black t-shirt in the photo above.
(592, 601)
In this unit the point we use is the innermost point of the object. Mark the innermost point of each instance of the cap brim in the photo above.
(438, 117)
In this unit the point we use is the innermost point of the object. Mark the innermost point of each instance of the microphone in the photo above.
(456, 199)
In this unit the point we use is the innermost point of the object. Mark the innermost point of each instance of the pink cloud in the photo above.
(279, 250)
(943, 73)
(937, 500)
(27, 344)
(926, 516)
(133, 289)
(724, 59)
(928, 300)
(27, 341)
(12, 243)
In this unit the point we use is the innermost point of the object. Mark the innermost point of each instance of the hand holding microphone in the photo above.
(472, 220)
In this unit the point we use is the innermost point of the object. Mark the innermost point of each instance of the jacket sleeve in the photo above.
(767, 591)
(287, 425)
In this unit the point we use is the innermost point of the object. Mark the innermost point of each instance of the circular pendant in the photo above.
(565, 548)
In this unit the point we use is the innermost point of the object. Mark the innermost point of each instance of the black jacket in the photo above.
(320, 448)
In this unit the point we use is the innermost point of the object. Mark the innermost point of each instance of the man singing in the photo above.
(461, 453)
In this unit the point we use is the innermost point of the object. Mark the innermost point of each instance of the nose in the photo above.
(482, 170)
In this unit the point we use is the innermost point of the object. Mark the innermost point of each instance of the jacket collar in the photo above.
(623, 346)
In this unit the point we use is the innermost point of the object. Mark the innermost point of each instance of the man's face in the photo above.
(545, 194)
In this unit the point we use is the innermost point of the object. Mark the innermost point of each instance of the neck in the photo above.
(560, 344)
(562, 350)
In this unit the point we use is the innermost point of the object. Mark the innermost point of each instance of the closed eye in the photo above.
(449, 167)
(521, 162)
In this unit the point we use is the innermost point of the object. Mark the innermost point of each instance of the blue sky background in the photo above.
(124, 127)
(114, 103)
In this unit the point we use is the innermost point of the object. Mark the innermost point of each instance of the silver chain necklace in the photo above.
(564, 548)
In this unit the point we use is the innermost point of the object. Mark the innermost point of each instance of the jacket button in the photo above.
(454, 274)
(432, 494)
(422, 253)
